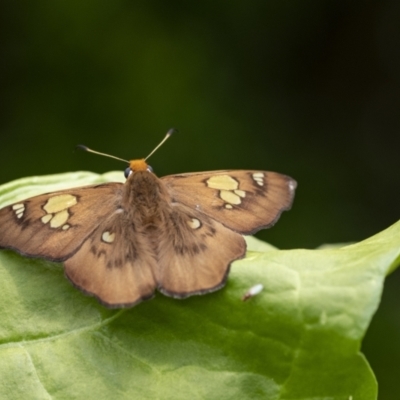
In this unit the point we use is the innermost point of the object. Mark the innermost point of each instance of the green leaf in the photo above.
(298, 339)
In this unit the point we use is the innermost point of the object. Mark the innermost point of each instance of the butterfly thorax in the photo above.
(145, 196)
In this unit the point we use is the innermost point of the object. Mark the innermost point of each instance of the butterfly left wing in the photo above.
(115, 263)
(244, 201)
(88, 230)
(54, 225)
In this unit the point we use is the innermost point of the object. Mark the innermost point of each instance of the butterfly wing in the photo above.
(116, 263)
(50, 225)
(195, 252)
(88, 229)
(245, 201)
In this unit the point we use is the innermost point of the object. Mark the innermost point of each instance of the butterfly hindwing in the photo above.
(123, 261)
(196, 252)
(115, 263)
(245, 201)
(54, 225)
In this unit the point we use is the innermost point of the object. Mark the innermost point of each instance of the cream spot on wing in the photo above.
(20, 213)
(222, 182)
(57, 210)
(59, 219)
(46, 218)
(108, 237)
(230, 197)
(194, 223)
(240, 193)
(19, 209)
(228, 206)
(59, 203)
(259, 178)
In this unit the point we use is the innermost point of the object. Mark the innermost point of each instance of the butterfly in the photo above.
(120, 242)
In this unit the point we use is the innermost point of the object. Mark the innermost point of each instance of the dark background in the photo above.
(310, 89)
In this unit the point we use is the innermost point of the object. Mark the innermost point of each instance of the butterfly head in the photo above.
(141, 164)
(134, 165)
(137, 165)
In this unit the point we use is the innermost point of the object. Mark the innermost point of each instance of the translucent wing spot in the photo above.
(108, 237)
(240, 193)
(230, 197)
(228, 188)
(56, 220)
(19, 209)
(56, 208)
(194, 223)
(59, 219)
(46, 218)
(222, 182)
(59, 203)
(259, 178)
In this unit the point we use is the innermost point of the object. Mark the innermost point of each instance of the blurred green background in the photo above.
(310, 89)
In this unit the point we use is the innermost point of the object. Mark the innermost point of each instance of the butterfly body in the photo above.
(120, 242)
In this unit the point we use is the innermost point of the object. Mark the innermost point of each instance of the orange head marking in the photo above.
(138, 165)
(134, 165)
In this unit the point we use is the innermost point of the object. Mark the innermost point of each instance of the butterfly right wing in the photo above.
(243, 200)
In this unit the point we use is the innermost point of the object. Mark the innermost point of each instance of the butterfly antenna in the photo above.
(85, 148)
(169, 133)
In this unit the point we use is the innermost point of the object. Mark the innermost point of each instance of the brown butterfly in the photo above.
(178, 234)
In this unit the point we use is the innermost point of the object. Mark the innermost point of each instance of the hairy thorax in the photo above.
(146, 198)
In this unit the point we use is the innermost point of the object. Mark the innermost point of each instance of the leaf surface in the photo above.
(299, 338)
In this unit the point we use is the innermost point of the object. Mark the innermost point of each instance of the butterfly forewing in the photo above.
(55, 225)
(245, 201)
